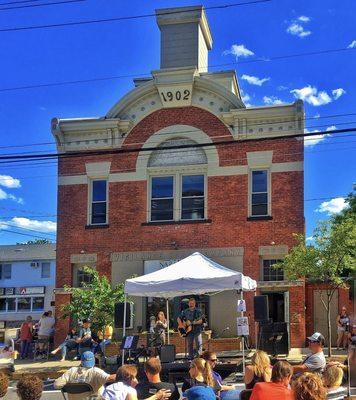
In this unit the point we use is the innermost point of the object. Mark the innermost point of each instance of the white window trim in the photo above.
(16, 302)
(177, 174)
(90, 200)
(269, 197)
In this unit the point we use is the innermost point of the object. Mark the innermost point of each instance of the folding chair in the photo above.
(245, 394)
(76, 388)
(41, 350)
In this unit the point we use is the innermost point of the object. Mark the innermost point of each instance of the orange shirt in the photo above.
(271, 390)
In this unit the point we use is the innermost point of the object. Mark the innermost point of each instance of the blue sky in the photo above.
(279, 27)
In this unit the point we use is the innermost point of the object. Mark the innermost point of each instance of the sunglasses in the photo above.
(213, 360)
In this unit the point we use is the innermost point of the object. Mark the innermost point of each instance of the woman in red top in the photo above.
(26, 337)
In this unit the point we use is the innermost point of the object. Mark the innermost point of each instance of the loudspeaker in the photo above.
(119, 315)
(260, 308)
(274, 338)
(168, 353)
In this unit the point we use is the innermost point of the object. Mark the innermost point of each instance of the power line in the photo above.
(48, 156)
(24, 234)
(26, 229)
(40, 5)
(19, 2)
(131, 17)
(114, 77)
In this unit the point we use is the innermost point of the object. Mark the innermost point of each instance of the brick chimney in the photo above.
(185, 37)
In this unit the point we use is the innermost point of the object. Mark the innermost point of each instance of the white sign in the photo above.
(242, 326)
(30, 290)
(241, 306)
(175, 95)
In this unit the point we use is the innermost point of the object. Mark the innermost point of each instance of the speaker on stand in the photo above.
(119, 315)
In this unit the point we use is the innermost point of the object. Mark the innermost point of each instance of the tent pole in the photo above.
(243, 340)
(124, 330)
(256, 329)
(167, 308)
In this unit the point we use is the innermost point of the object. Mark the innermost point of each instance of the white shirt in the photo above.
(46, 326)
(118, 391)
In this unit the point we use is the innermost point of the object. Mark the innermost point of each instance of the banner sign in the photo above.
(242, 326)
(30, 290)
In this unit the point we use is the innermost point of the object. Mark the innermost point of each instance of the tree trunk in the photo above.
(329, 323)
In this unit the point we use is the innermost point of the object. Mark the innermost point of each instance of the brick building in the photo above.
(238, 202)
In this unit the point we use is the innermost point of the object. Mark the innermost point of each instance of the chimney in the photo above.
(185, 37)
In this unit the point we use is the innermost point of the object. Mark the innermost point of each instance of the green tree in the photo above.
(326, 261)
(37, 241)
(349, 211)
(95, 300)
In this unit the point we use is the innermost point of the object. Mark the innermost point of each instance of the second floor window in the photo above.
(270, 273)
(259, 193)
(98, 209)
(45, 270)
(5, 271)
(177, 197)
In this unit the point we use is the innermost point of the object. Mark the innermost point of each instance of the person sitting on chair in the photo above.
(85, 337)
(70, 343)
(332, 379)
(86, 372)
(153, 369)
(201, 375)
(4, 384)
(29, 388)
(259, 371)
(278, 388)
(124, 387)
(315, 361)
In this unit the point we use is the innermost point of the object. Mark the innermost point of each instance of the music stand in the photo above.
(129, 343)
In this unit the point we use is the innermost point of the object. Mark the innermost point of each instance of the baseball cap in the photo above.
(317, 337)
(88, 359)
(200, 393)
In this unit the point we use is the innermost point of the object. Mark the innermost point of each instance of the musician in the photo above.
(161, 326)
(192, 316)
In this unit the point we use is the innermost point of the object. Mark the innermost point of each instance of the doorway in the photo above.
(276, 306)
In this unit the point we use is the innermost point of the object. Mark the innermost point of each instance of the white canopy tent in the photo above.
(195, 274)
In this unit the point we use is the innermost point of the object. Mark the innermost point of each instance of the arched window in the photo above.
(177, 182)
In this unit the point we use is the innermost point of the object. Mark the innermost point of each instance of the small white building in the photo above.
(27, 280)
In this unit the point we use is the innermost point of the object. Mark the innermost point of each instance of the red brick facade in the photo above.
(227, 204)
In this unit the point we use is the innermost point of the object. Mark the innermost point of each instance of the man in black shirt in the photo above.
(147, 389)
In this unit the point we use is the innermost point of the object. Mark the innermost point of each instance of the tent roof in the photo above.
(195, 274)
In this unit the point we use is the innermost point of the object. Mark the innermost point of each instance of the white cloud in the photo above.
(7, 196)
(312, 96)
(352, 45)
(316, 116)
(281, 87)
(331, 128)
(309, 238)
(332, 206)
(337, 93)
(239, 50)
(272, 100)
(9, 182)
(246, 98)
(296, 29)
(254, 80)
(303, 18)
(311, 141)
(41, 226)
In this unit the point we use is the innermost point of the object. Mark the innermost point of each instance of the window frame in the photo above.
(49, 271)
(17, 298)
(177, 174)
(2, 269)
(270, 259)
(90, 201)
(250, 193)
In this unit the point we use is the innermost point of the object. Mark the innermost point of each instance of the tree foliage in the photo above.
(95, 300)
(37, 241)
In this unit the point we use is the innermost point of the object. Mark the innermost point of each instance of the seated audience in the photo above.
(259, 371)
(153, 369)
(278, 388)
(4, 384)
(30, 388)
(332, 378)
(85, 336)
(315, 361)
(70, 343)
(105, 338)
(200, 393)
(124, 387)
(86, 372)
(226, 391)
(200, 375)
(309, 386)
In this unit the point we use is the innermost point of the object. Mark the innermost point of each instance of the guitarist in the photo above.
(192, 316)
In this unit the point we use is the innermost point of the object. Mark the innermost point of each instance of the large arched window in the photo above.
(177, 182)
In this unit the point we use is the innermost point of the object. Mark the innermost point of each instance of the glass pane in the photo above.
(98, 213)
(6, 271)
(259, 181)
(2, 304)
(193, 185)
(46, 270)
(260, 209)
(24, 303)
(37, 303)
(162, 187)
(193, 208)
(162, 210)
(260, 198)
(11, 304)
(99, 191)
